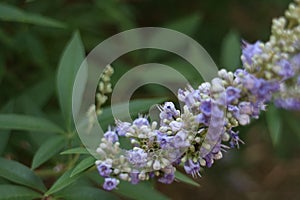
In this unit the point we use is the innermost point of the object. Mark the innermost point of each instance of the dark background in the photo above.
(261, 169)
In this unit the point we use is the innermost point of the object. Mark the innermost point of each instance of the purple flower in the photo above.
(137, 157)
(189, 97)
(141, 121)
(216, 112)
(232, 94)
(265, 90)
(175, 126)
(250, 82)
(202, 119)
(192, 167)
(168, 111)
(257, 107)
(245, 107)
(104, 169)
(122, 128)
(286, 70)
(110, 183)
(205, 107)
(209, 160)
(134, 176)
(288, 103)
(179, 140)
(111, 136)
(167, 178)
(249, 50)
(163, 140)
(235, 140)
(296, 61)
(234, 110)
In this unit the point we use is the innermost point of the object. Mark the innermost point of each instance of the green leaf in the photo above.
(27, 123)
(63, 181)
(181, 177)
(19, 173)
(143, 191)
(274, 123)
(83, 165)
(14, 192)
(69, 64)
(137, 106)
(77, 150)
(11, 13)
(86, 193)
(5, 134)
(47, 150)
(231, 51)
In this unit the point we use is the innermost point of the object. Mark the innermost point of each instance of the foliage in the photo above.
(36, 128)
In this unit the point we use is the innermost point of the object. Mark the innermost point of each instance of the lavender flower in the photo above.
(205, 107)
(111, 136)
(232, 94)
(180, 140)
(288, 103)
(141, 121)
(164, 140)
(137, 157)
(192, 168)
(134, 176)
(167, 178)
(110, 183)
(122, 128)
(104, 169)
(249, 51)
(286, 69)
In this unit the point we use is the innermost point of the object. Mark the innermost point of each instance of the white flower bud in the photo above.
(156, 165)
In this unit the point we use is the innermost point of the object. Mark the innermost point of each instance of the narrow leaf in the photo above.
(27, 123)
(19, 173)
(77, 150)
(11, 13)
(69, 64)
(83, 165)
(48, 150)
(231, 51)
(181, 177)
(274, 123)
(10, 192)
(63, 181)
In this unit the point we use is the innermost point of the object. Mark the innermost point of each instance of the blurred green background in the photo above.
(266, 167)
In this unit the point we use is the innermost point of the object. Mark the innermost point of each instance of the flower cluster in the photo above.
(204, 130)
